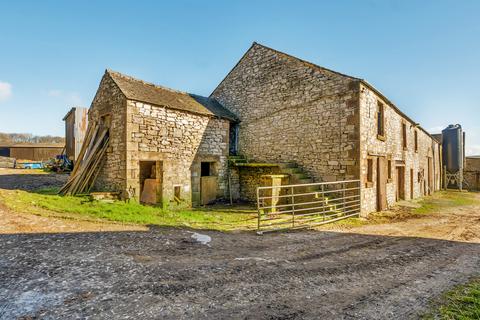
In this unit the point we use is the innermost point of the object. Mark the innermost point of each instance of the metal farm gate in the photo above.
(306, 205)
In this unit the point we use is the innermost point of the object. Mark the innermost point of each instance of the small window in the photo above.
(207, 169)
(415, 134)
(404, 136)
(380, 121)
(370, 170)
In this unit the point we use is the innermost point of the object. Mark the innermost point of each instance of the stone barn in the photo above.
(273, 116)
(333, 126)
(166, 146)
(471, 173)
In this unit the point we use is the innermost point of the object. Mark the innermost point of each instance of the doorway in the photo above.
(233, 139)
(411, 183)
(150, 180)
(381, 184)
(400, 194)
(429, 175)
(208, 182)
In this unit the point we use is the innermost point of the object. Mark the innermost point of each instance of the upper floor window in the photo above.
(380, 120)
(404, 135)
(415, 135)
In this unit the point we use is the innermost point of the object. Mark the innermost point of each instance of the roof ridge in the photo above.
(147, 92)
(110, 71)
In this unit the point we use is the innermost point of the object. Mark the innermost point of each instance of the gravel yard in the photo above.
(389, 271)
(167, 274)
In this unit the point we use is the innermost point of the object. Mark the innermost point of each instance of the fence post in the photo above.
(323, 202)
(258, 209)
(343, 196)
(293, 207)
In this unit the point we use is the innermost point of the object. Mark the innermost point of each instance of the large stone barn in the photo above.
(271, 113)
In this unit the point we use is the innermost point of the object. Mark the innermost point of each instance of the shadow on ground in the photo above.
(32, 182)
(165, 273)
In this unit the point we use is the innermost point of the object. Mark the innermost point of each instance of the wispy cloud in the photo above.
(74, 98)
(472, 150)
(70, 98)
(54, 93)
(5, 91)
(436, 129)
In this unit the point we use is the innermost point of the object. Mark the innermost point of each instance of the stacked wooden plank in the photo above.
(89, 162)
(7, 162)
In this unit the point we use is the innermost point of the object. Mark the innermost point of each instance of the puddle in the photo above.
(202, 238)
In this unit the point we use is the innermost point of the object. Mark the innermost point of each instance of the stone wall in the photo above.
(293, 111)
(471, 173)
(391, 147)
(109, 106)
(253, 177)
(179, 139)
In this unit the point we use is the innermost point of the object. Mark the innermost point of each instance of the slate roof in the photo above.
(438, 137)
(142, 91)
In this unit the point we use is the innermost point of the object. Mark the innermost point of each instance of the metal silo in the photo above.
(453, 153)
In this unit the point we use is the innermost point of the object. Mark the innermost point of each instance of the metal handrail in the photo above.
(309, 184)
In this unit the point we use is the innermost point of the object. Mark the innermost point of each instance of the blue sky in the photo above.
(423, 55)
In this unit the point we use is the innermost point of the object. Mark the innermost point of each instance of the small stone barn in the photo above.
(173, 143)
(272, 110)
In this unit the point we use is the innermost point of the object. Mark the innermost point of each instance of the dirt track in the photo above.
(167, 274)
(455, 223)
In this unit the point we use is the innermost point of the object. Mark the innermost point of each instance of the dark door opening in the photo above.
(381, 184)
(233, 139)
(411, 183)
(150, 179)
(400, 183)
(429, 175)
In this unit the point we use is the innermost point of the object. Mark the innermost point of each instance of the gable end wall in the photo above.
(291, 111)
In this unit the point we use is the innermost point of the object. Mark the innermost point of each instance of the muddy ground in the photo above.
(168, 274)
(29, 180)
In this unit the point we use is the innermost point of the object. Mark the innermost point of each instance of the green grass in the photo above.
(445, 199)
(461, 303)
(47, 203)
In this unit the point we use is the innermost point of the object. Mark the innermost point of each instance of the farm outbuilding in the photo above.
(273, 119)
(34, 152)
(472, 173)
(76, 122)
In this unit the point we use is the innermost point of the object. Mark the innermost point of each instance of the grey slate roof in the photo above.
(438, 137)
(142, 91)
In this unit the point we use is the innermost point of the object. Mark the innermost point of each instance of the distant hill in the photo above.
(14, 138)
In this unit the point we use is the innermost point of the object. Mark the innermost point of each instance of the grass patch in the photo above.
(46, 202)
(461, 303)
(445, 199)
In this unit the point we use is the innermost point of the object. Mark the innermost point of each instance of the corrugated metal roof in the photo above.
(32, 145)
(142, 91)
